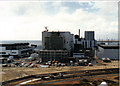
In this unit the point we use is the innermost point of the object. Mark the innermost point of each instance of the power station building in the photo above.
(58, 43)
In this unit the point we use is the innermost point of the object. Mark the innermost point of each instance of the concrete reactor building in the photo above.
(56, 45)
(57, 41)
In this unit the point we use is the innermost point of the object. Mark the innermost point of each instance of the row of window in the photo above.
(78, 54)
(16, 47)
(53, 55)
(5, 52)
(54, 52)
(2, 52)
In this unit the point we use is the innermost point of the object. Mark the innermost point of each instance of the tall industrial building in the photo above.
(89, 35)
(57, 41)
(56, 45)
(90, 41)
(54, 42)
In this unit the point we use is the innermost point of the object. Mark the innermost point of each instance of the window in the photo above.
(2, 52)
(13, 52)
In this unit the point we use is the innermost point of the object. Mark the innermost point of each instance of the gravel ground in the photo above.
(9, 73)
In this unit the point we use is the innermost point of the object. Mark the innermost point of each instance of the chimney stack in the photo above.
(79, 32)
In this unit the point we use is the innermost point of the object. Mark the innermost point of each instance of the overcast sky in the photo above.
(25, 20)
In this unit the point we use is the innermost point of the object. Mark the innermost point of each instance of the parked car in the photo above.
(26, 65)
(12, 65)
(63, 64)
(106, 60)
(20, 65)
(4, 65)
(90, 64)
(31, 65)
(9, 65)
(45, 66)
(38, 62)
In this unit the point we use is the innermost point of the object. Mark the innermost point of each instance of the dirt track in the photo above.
(9, 73)
(72, 76)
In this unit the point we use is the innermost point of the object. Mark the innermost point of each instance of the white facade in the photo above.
(3, 51)
(69, 40)
(86, 43)
(89, 43)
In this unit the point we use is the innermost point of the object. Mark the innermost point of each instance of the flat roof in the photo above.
(109, 46)
(57, 31)
(14, 44)
(52, 50)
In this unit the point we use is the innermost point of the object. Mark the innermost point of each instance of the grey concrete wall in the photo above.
(107, 53)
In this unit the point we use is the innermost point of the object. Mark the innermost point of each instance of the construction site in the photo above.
(63, 75)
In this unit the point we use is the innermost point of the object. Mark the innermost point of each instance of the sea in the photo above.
(39, 42)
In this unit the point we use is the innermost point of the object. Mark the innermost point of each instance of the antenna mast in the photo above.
(46, 28)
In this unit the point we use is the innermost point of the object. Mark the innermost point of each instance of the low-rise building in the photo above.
(15, 49)
(108, 51)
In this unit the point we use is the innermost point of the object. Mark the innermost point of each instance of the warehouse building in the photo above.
(108, 51)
